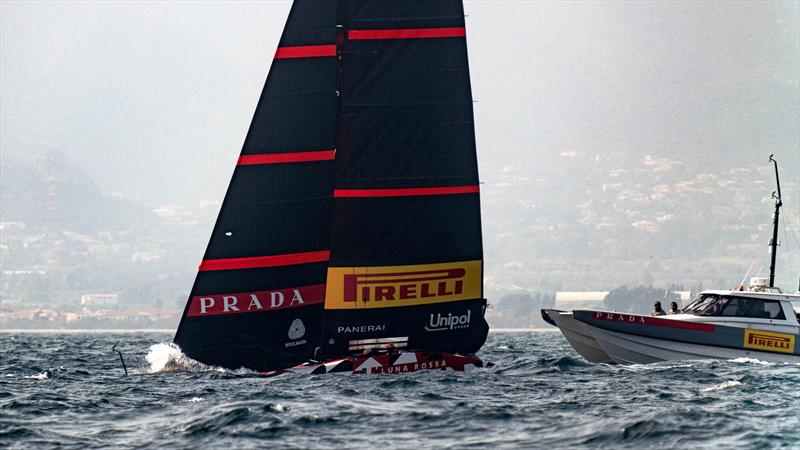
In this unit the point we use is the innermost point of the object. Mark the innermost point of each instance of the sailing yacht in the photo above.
(760, 322)
(349, 238)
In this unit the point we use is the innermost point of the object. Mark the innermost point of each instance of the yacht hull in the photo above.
(636, 339)
(388, 362)
(577, 334)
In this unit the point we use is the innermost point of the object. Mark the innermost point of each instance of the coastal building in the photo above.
(99, 299)
(569, 300)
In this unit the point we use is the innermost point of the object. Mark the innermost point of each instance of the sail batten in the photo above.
(407, 33)
(255, 262)
(406, 192)
(305, 51)
(284, 158)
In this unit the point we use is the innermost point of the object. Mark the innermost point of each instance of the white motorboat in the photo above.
(718, 324)
(759, 323)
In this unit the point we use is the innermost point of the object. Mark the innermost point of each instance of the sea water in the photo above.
(70, 391)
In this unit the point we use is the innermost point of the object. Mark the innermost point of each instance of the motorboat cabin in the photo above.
(747, 309)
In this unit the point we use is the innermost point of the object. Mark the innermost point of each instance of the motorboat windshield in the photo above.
(735, 306)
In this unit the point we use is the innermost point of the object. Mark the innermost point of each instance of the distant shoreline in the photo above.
(169, 330)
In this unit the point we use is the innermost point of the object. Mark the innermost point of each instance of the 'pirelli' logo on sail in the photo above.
(383, 287)
(768, 341)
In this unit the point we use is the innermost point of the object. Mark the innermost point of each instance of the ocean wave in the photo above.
(39, 376)
(274, 407)
(562, 363)
(45, 374)
(218, 422)
(724, 385)
(660, 366)
(541, 395)
(638, 432)
(752, 361)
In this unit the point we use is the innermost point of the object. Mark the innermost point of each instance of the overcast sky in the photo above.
(153, 100)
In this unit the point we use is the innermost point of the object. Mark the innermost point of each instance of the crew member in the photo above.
(657, 311)
(673, 308)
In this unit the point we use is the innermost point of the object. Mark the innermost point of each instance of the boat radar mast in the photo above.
(773, 244)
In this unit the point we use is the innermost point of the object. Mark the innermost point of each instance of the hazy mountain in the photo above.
(53, 193)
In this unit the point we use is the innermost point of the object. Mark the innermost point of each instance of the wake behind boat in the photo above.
(759, 323)
(349, 239)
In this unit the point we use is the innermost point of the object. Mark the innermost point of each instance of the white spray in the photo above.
(168, 357)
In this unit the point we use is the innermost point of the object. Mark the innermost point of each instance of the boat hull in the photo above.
(388, 363)
(577, 334)
(632, 349)
(636, 339)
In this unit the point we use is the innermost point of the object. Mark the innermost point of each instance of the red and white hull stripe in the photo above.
(389, 362)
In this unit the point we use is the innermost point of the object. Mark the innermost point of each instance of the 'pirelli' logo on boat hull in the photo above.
(768, 341)
(384, 287)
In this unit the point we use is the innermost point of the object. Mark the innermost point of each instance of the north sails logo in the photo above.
(296, 331)
(449, 322)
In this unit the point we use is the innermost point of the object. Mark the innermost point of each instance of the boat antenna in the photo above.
(741, 285)
(773, 244)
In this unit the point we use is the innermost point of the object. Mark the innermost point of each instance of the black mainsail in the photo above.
(353, 216)
(406, 249)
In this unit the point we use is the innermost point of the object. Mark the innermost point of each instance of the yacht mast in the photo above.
(773, 244)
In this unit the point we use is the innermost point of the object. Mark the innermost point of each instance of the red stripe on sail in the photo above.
(264, 261)
(281, 158)
(406, 33)
(305, 51)
(406, 192)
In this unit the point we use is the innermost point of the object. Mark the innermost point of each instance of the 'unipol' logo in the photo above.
(383, 287)
(438, 322)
